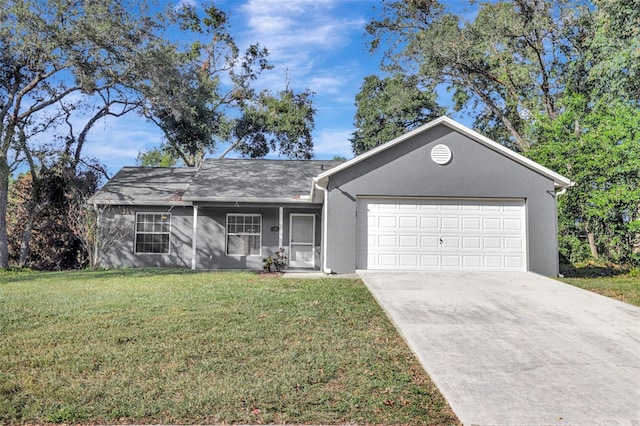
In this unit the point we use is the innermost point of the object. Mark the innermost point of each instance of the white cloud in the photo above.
(299, 35)
(331, 142)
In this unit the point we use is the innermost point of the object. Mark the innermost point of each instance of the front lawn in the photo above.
(154, 346)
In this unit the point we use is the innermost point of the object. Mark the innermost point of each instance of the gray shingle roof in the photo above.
(145, 186)
(255, 180)
(225, 180)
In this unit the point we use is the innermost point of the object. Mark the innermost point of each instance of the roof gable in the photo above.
(560, 182)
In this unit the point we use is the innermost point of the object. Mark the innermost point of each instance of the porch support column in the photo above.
(194, 237)
(280, 226)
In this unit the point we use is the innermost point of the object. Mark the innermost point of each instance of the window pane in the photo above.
(237, 245)
(254, 244)
(153, 233)
(243, 234)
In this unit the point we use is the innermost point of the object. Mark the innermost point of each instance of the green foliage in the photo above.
(389, 107)
(572, 249)
(598, 147)
(614, 50)
(504, 64)
(61, 63)
(205, 100)
(156, 157)
(280, 123)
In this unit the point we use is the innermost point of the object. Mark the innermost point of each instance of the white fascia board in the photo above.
(559, 180)
(138, 203)
(313, 194)
(251, 200)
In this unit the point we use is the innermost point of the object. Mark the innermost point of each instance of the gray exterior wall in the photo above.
(122, 254)
(475, 171)
(211, 238)
(211, 244)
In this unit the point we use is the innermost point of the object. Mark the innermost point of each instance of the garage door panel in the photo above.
(472, 261)
(492, 262)
(388, 222)
(492, 242)
(450, 261)
(450, 224)
(430, 261)
(441, 234)
(492, 224)
(409, 241)
(471, 224)
(471, 242)
(429, 223)
(447, 242)
(409, 260)
(513, 262)
(431, 241)
(388, 260)
(387, 241)
(513, 225)
(513, 243)
(408, 222)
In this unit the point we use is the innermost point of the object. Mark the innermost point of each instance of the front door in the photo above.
(302, 240)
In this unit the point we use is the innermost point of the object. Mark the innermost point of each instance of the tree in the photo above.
(156, 157)
(54, 56)
(502, 66)
(98, 230)
(53, 244)
(388, 107)
(598, 146)
(209, 100)
(613, 52)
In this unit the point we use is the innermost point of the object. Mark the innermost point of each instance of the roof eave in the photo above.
(137, 203)
(249, 200)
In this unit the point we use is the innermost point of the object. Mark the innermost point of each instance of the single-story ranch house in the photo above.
(439, 197)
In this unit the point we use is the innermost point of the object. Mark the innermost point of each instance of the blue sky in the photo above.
(319, 44)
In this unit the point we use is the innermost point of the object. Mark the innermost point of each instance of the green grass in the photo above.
(155, 346)
(606, 280)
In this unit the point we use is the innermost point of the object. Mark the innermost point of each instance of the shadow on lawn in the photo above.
(591, 270)
(24, 275)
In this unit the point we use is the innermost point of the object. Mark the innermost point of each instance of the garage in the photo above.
(431, 234)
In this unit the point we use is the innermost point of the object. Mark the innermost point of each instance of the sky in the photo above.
(318, 44)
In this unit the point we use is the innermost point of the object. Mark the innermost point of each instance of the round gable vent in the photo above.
(441, 154)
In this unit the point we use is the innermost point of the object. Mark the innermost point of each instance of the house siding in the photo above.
(122, 252)
(211, 237)
(475, 171)
(211, 244)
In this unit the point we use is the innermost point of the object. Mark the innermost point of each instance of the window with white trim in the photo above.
(244, 234)
(153, 233)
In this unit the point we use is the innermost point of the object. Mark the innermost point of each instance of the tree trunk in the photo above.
(4, 198)
(592, 244)
(25, 250)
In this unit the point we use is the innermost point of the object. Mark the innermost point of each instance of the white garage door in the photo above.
(416, 234)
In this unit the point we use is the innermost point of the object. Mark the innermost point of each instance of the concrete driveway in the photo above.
(518, 348)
